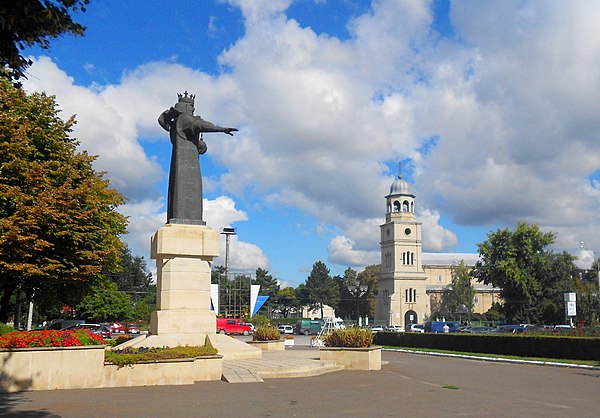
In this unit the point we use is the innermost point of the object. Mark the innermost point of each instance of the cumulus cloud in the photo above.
(499, 120)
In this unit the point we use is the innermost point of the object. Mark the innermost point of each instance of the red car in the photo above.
(132, 329)
(117, 328)
(232, 326)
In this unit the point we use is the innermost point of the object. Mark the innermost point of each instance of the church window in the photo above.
(439, 278)
(405, 206)
(396, 206)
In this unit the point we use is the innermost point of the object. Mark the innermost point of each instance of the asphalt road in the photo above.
(411, 385)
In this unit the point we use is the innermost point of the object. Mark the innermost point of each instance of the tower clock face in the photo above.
(407, 231)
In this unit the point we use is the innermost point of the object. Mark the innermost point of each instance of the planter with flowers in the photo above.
(351, 348)
(288, 340)
(267, 338)
(46, 360)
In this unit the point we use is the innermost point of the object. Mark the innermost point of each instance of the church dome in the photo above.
(399, 186)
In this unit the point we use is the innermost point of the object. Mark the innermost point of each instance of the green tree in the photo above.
(287, 301)
(268, 284)
(321, 288)
(132, 276)
(370, 277)
(105, 303)
(59, 227)
(26, 23)
(347, 302)
(531, 278)
(462, 291)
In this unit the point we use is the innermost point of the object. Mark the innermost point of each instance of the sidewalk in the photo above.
(293, 362)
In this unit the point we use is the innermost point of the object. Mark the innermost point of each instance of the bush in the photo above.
(5, 329)
(129, 356)
(349, 337)
(266, 333)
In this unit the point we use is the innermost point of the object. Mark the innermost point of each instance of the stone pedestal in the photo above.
(183, 254)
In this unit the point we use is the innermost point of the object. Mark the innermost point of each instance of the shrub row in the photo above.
(558, 347)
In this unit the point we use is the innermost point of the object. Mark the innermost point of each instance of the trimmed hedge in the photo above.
(558, 347)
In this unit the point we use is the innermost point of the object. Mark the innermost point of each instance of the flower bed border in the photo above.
(368, 358)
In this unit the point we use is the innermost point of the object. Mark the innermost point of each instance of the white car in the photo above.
(394, 328)
(417, 328)
(376, 328)
(286, 329)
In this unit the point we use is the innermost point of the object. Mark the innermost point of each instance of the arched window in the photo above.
(396, 206)
(414, 298)
(405, 206)
(412, 207)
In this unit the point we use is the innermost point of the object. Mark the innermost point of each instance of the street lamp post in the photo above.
(590, 252)
(357, 290)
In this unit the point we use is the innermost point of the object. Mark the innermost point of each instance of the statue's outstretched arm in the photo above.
(206, 126)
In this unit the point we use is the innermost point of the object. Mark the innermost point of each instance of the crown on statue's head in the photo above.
(184, 98)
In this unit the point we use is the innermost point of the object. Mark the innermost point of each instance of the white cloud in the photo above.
(511, 102)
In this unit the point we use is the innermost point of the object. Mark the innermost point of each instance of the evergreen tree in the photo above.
(321, 288)
(33, 22)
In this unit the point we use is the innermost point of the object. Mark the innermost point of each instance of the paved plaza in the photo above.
(409, 385)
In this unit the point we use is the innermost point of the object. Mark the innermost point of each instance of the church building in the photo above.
(414, 285)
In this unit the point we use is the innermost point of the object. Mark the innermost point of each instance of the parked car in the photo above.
(438, 326)
(101, 330)
(232, 326)
(417, 328)
(58, 324)
(252, 327)
(117, 328)
(132, 329)
(286, 329)
(481, 330)
(376, 328)
(394, 328)
(308, 326)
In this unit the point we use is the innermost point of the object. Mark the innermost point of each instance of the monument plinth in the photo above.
(183, 254)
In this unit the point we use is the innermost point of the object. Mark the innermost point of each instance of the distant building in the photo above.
(413, 284)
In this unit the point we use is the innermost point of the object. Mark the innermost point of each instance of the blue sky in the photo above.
(491, 106)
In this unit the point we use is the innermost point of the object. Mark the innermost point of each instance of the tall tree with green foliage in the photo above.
(59, 227)
(286, 301)
(532, 279)
(370, 277)
(132, 276)
(463, 292)
(105, 303)
(321, 288)
(26, 23)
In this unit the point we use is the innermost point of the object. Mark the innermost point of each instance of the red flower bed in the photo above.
(23, 339)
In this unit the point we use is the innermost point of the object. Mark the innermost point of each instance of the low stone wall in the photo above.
(277, 345)
(353, 358)
(47, 368)
(51, 368)
(165, 372)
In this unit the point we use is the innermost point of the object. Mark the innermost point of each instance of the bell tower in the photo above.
(401, 298)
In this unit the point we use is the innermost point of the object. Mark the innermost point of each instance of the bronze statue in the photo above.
(185, 182)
